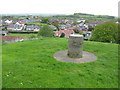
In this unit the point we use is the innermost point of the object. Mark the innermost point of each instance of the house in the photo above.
(9, 22)
(3, 33)
(3, 22)
(80, 29)
(70, 21)
(32, 27)
(71, 28)
(87, 35)
(63, 27)
(82, 20)
(66, 20)
(19, 26)
(54, 21)
(31, 20)
(66, 33)
(53, 27)
(68, 25)
(82, 26)
(10, 27)
(95, 23)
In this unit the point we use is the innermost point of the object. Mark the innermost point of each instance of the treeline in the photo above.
(83, 14)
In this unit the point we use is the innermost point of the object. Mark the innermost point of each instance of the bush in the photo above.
(45, 31)
(76, 30)
(106, 32)
(81, 32)
(45, 20)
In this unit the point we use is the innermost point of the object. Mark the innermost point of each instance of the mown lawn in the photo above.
(30, 64)
(27, 36)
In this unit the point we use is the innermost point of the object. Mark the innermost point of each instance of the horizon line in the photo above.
(49, 14)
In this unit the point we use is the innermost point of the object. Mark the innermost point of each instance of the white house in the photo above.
(19, 26)
(32, 27)
(81, 21)
(8, 21)
(87, 35)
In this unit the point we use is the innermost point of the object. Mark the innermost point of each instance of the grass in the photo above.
(27, 36)
(30, 64)
(36, 23)
(0, 64)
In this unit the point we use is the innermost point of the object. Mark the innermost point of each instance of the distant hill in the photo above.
(99, 16)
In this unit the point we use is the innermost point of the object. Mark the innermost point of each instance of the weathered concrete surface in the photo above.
(75, 46)
(62, 56)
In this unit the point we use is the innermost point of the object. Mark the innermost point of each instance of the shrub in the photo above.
(45, 31)
(81, 32)
(76, 30)
(106, 32)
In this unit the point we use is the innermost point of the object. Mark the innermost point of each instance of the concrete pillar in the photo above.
(75, 46)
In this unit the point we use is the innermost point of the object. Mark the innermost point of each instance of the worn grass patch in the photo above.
(30, 64)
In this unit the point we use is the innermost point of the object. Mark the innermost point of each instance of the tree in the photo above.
(87, 21)
(45, 20)
(4, 27)
(45, 31)
(106, 32)
(76, 30)
(56, 25)
(75, 23)
(81, 32)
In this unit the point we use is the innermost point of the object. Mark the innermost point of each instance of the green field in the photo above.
(27, 36)
(30, 64)
(37, 23)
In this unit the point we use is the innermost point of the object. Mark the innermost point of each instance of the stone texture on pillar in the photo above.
(75, 46)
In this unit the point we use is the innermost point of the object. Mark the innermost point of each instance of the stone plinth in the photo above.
(75, 46)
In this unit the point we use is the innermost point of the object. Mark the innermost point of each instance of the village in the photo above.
(64, 26)
(71, 44)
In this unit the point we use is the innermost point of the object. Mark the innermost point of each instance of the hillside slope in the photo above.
(30, 64)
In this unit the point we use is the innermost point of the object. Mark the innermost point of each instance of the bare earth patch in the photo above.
(87, 57)
(11, 38)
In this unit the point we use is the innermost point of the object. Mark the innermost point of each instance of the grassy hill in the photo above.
(87, 16)
(30, 64)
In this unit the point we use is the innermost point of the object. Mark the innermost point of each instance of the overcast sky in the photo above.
(98, 7)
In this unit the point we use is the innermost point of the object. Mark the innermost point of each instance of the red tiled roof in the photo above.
(80, 29)
(66, 32)
(71, 28)
(20, 22)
